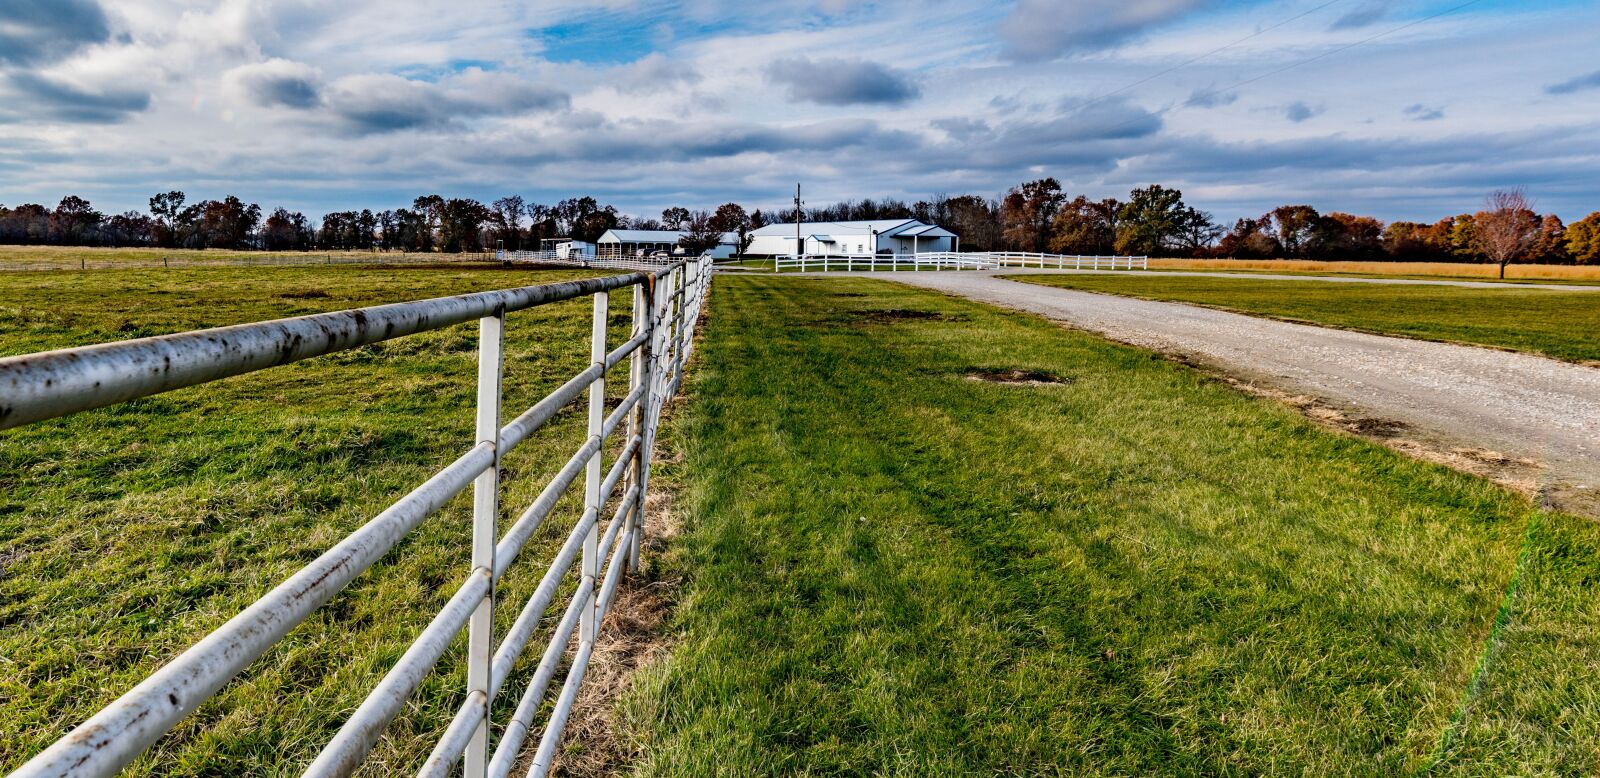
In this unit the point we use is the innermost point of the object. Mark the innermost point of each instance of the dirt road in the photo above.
(1475, 398)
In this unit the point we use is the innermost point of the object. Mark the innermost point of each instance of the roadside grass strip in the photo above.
(892, 568)
(1561, 325)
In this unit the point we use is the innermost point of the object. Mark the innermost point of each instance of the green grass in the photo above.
(890, 568)
(129, 532)
(1395, 276)
(893, 569)
(1563, 325)
(97, 258)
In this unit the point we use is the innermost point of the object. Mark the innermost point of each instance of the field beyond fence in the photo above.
(1447, 269)
(102, 258)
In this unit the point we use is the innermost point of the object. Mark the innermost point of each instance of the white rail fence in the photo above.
(666, 304)
(988, 260)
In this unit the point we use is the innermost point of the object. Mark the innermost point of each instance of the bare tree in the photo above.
(1507, 227)
(701, 233)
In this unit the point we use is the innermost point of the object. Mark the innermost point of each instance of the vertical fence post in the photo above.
(485, 510)
(591, 483)
(639, 420)
(681, 291)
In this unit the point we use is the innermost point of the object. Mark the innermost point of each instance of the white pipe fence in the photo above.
(949, 260)
(666, 304)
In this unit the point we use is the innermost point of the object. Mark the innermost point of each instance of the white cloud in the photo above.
(362, 103)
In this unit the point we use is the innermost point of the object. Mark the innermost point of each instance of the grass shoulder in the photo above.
(896, 566)
(1552, 323)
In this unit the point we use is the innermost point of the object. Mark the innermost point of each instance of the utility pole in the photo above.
(799, 246)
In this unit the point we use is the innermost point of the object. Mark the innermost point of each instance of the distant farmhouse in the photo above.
(633, 243)
(860, 238)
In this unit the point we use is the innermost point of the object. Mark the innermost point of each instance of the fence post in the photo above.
(639, 421)
(587, 626)
(485, 512)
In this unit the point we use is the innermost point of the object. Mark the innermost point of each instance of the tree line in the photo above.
(1037, 216)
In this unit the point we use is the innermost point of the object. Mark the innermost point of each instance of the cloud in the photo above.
(842, 81)
(38, 31)
(277, 82)
(654, 73)
(1578, 84)
(961, 127)
(1040, 30)
(55, 98)
(1363, 16)
(1210, 98)
(1082, 137)
(1298, 111)
(375, 103)
(676, 141)
(1423, 113)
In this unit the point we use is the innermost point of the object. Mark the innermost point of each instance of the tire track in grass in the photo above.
(1491, 644)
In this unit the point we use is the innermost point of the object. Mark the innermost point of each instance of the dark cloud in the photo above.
(1589, 81)
(1363, 16)
(1298, 111)
(51, 98)
(961, 127)
(1423, 113)
(38, 31)
(842, 81)
(1040, 30)
(1210, 98)
(1084, 138)
(386, 103)
(674, 141)
(279, 83)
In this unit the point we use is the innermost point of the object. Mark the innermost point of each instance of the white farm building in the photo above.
(857, 238)
(636, 243)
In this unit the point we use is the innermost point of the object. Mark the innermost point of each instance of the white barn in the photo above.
(632, 243)
(853, 238)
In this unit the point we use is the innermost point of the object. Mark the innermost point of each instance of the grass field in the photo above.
(895, 569)
(129, 532)
(1464, 270)
(1563, 325)
(890, 568)
(95, 258)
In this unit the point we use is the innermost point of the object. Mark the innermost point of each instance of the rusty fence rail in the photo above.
(666, 303)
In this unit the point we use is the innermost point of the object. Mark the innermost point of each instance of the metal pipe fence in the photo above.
(666, 303)
(949, 260)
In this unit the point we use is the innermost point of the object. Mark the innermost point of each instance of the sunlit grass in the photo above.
(1564, 325)
(895, 569)
(1476, 271)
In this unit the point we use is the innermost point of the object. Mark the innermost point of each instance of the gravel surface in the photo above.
(1517, 404)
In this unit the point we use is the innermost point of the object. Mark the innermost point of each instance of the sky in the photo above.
(1401, 109)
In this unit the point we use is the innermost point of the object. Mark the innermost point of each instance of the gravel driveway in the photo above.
(1527, 406)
